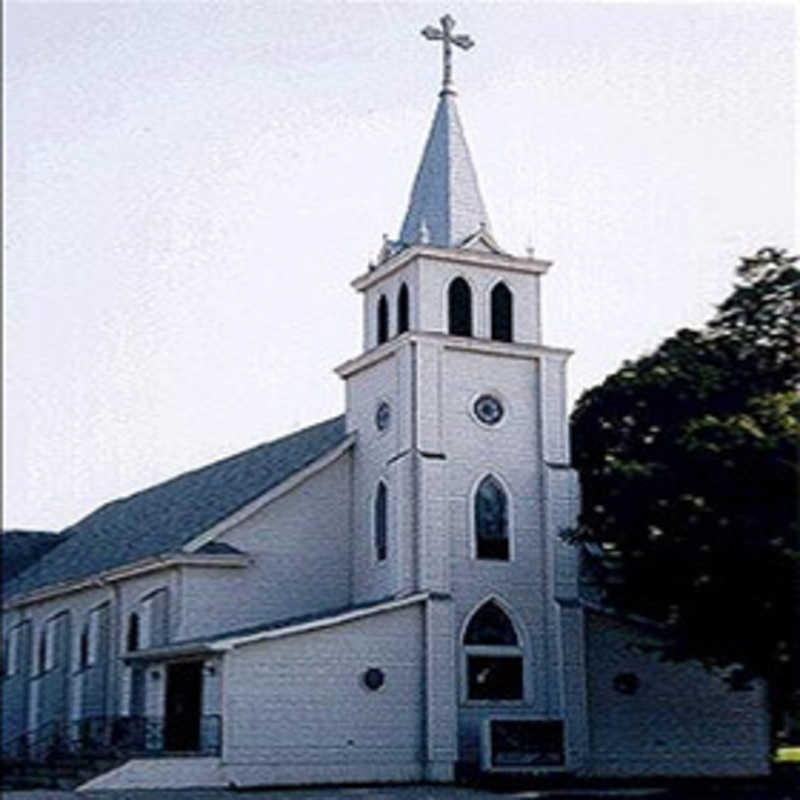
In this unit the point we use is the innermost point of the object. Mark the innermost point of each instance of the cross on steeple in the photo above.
(445, 35)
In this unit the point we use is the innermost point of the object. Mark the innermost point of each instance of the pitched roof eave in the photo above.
(145, 565)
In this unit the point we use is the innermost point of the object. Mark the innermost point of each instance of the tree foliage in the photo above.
(689, 467)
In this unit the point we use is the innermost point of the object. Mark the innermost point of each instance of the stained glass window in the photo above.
(490, 625)
(491, 520)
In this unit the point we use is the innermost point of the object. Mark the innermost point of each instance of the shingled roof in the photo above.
(446, 206)
(19, 549)
(165, 517)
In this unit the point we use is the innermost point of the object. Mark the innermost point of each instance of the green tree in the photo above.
(689, 466)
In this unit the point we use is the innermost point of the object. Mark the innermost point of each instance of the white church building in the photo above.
(381, 597)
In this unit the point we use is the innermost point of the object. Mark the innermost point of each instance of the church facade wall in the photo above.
(382, 455)
(298, 709)
(653, 718)
(299, 560)
(435, 277)
(390, 289)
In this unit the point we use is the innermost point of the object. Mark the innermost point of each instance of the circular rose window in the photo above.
(488, 409)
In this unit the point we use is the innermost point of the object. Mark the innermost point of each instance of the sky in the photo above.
(191, 187)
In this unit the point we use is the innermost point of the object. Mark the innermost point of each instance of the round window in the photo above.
(374, 678)
(488, 409)
(383, 416)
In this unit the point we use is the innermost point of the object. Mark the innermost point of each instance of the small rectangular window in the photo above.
(494, 677)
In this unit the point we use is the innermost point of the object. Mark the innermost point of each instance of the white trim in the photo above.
(326, 622)
(294, 480)
(222, 645)
(476, 258)
(12, 653)
(149, 564)
(524, 350)
(50, 642)
(93, 635)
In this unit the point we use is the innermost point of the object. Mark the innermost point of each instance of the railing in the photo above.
(117, 737)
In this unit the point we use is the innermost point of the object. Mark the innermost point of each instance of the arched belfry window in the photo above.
(502, 313)
(380, 522)
(459, 308)
(383, 320)
(402, 309)
(494, 660)
(133, 632)
(491, 520)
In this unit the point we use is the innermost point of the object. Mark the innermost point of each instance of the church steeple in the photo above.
(446, 207)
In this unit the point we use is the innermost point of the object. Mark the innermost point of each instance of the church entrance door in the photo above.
(183, 706)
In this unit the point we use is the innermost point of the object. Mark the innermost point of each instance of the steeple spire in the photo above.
(445, 201)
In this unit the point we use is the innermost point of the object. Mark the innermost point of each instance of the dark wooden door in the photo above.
(183, 706)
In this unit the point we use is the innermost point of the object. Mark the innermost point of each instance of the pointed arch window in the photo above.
(494, 663)
(83, 654)
(380, 521)
(502, 313)
(402, 309)
(491, 520)
(42, 651)
(133, 632)
(383, 320)
(459, 307)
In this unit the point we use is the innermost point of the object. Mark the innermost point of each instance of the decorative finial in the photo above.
(445, 35)
(424, 235)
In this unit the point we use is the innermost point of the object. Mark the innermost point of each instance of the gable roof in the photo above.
(163, 518)
(446, 206)
(19, 549)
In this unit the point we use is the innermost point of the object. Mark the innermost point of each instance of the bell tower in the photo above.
(461, 474)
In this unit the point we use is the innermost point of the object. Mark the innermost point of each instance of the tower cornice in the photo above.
(452, 255)
(450, 342)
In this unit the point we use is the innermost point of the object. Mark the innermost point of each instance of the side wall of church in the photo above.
(299, 549)
(297, 709)
(677, 720)
(78, 673)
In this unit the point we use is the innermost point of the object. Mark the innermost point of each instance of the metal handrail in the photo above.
(113, 737)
